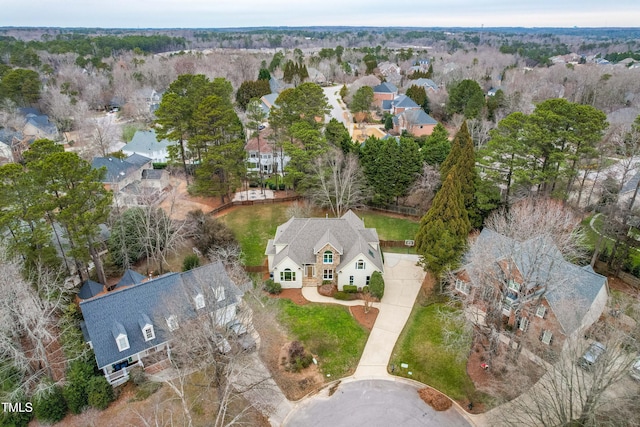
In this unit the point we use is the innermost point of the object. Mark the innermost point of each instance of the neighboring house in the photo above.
(414, 121)
(310, 251)
(146, 143)
(399, 104)
(261, 154)
(427, 84)
(267, 102)
(542, 297)
(384, 92)
(493, 91)
(37, 125)
(131, 326)
(133, 180)
(12, 145)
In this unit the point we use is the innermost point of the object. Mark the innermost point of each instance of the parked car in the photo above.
(591, 356)
(635, 369)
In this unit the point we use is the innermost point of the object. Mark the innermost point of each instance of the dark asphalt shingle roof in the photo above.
(118, 169)
(121, 311)
(385, 87)
(90, 289)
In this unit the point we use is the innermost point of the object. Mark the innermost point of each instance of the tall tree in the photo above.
(176, 110)
(419, 95)
(361, 102)
(437, 146)
(255, 117)
(251, 89)
(442, 236)
(466, 98)
(21, 86)
(461, 160)
(337, 135)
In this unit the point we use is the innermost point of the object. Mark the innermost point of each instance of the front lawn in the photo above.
(328, 331)
(421, 346)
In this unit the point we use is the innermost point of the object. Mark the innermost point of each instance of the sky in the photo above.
(254, 13)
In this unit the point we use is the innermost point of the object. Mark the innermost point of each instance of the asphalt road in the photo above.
(371, 403)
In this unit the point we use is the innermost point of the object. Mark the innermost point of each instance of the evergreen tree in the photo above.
(436, 147)
(264, 74)
(337, 134)
(441, 239)
(419, 95)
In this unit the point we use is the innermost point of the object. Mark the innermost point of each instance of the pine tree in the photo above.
(462, 158)
(442, 236)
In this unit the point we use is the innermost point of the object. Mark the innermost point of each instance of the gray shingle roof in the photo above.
(129, 278)
(304, 237)
(120, 311)
(385, 87)
(145, 141)
(424, 83)
(90, 289)
(403, 101)
(570, 290)
(416, 117)
(118, 169)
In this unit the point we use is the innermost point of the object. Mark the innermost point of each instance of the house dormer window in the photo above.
(463, 286)
(360, 265)
(524, 324)
(149, 333)
(172, 322)
(327, 257)
(219, 293)
(546, 337)
(123, 342)
(514, 286)
(199, 301)
(541, 311)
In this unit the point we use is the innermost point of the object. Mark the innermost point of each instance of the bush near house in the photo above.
(272, 287)
(75, 391)
(49, 406)
(99, 392)
(376, 285)
(190, 262)
(350, 289)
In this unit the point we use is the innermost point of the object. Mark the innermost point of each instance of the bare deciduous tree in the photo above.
(339, 182)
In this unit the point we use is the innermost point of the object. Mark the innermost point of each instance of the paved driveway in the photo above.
(371, 403)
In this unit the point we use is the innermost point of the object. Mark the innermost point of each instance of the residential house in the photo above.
(261, 154)
(399, 104)
(267, 102)
(427, 84)
(37, 125)
(539, 295)
(414, 121)
(311, 251)
(132, 180)
(384, 92)
(390, 71)
(12, 145)
(131, 326)
(145, 143)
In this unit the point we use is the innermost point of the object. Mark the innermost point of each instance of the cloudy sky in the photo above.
(251, 13)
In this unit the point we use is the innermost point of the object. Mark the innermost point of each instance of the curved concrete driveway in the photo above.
(372, 403)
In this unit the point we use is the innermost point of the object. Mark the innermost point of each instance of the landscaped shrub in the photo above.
(190, 262)
(298, 358)
(49, 405)
(376, 285)
(75, 392)
(16, 419)
(281, 187)
(137, 375)
(344, 296)
(365, 289)
(351, 289)
(272, 287)
(99, 392)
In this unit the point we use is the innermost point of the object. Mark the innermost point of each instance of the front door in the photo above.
(309, 272)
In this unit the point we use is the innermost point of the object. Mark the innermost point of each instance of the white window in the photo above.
(287, 275)
(199, 300)
(351, 280)
(463, 286)
(123, 342)
(541, 311)
(514, 286)
(360, 265)
(327, 257)
(172, 322)
(148, 332)
(219, 293)
(327, 274)
(546, 337)
(524, 324)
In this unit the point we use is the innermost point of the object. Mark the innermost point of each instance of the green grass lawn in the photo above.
(421, 346)
(328, 331)
(254, 225)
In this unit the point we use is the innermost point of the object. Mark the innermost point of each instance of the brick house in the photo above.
(309, 251)
(384, 92)
(414, 121)
(531, 289)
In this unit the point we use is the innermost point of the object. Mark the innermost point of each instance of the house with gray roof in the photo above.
(131, 325)
(38, 125)
(385, 91)
(310, 251)
(145, 143)
(542, 297)
(427, 84)
(415, 121)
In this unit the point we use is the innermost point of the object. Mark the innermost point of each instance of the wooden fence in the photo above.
(229, 205)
